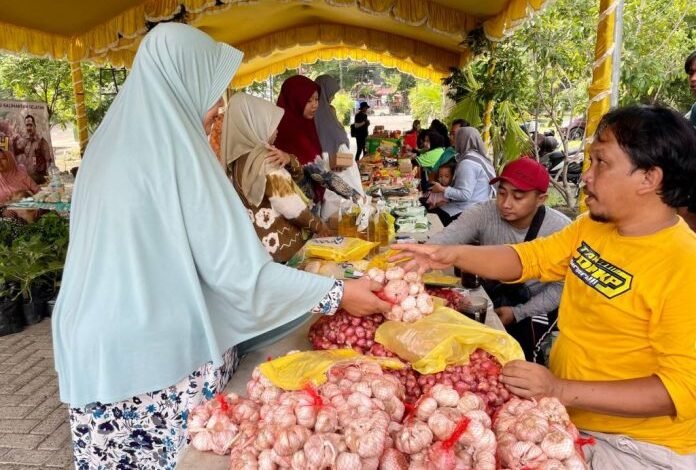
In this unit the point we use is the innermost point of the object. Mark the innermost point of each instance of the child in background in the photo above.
(444, 176)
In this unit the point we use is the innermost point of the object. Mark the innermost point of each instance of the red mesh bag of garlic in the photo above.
(217, 424)
(539, 435)
(342, 424)
(446, 431)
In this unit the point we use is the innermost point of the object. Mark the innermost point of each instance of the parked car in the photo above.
(575, 130)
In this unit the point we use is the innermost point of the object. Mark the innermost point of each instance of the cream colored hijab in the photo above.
(248, 126)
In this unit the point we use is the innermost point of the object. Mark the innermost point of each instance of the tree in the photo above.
(658, 36)
(49, 81)
(488, 94)
(343, 104)
(426, 101)
(40, 80)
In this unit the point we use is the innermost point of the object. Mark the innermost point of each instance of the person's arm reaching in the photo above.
(492, 262)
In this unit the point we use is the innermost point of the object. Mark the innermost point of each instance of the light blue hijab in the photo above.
(164, 270)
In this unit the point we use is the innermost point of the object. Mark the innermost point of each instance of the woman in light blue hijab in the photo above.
(165, 274)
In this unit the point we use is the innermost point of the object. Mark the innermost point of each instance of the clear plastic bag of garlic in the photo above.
(446, 431)
(537, 434)
(405, 291)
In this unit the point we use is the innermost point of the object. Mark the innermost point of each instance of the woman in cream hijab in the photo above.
(164, 277)
(280, 215)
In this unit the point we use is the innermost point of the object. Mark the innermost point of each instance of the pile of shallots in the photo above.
(405, 291)
(454, 299)
(343, 330)
(446, 431)
(537, 435)
(480, 376)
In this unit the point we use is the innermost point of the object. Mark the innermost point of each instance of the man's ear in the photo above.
(541, 199)
(651, 182)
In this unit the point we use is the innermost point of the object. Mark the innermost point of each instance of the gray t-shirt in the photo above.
(483, 223)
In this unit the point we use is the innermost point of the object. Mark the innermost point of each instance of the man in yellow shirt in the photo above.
(625, 360)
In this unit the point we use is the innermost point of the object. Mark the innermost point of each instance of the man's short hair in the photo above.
(461, 123)
(689, 62)
(656, 136)
(29, 116)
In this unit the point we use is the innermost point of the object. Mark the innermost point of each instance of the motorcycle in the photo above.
(552, 157)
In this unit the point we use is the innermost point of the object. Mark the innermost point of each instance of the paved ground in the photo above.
(34, 430)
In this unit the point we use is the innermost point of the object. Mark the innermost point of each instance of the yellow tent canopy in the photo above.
(421, 37)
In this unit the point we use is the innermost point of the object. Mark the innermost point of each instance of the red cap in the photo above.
(525, 174)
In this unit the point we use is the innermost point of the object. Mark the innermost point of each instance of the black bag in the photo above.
(529, 334)
(353, 131)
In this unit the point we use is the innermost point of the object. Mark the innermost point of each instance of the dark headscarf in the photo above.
(296, 134)
(441, 129)
(436, 140)
(330, 130)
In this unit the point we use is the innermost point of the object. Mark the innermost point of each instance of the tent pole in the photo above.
(80, 111)
(618, 45)
(601, 86)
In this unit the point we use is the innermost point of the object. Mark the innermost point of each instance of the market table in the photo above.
(191, 459)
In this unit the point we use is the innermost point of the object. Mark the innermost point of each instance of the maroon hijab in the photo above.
(297, 135)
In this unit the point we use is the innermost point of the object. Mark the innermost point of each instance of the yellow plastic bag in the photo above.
(339, 249)
(294, 371)
(443, 338)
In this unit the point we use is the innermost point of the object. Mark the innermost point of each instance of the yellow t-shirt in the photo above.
(628, 310)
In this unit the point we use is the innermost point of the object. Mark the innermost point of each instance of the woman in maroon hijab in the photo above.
(297, 136)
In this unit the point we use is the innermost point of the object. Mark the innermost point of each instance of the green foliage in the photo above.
(49, 81)
(426, 101)
(32, 256)
(343, 104)
(658, 36)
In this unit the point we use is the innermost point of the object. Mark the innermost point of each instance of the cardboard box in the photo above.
(341, 160)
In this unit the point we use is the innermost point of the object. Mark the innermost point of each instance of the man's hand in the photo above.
(529, 380)
(505, 314)
(437, 188)
(359, 298)
(276, 156)
(425, 257)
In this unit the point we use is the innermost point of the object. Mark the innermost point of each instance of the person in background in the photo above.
(456, 125)
(439, 127)
(624, 363)
(411, 136)
(166, 282)
(334, 140)
(688, 212)
(278, 213)
(361, 129)
(444, 177)
(471, 177)
(690, 69)
(430, 154)
(300, 144)
(32, 151)
(15, 182)
(528, 310)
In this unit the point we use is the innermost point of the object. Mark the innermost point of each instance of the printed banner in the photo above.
(25, 131)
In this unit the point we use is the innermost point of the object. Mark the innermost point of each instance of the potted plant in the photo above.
(31, 265)
(11, 319)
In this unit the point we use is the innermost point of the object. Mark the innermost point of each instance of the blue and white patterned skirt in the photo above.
(146, 431)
